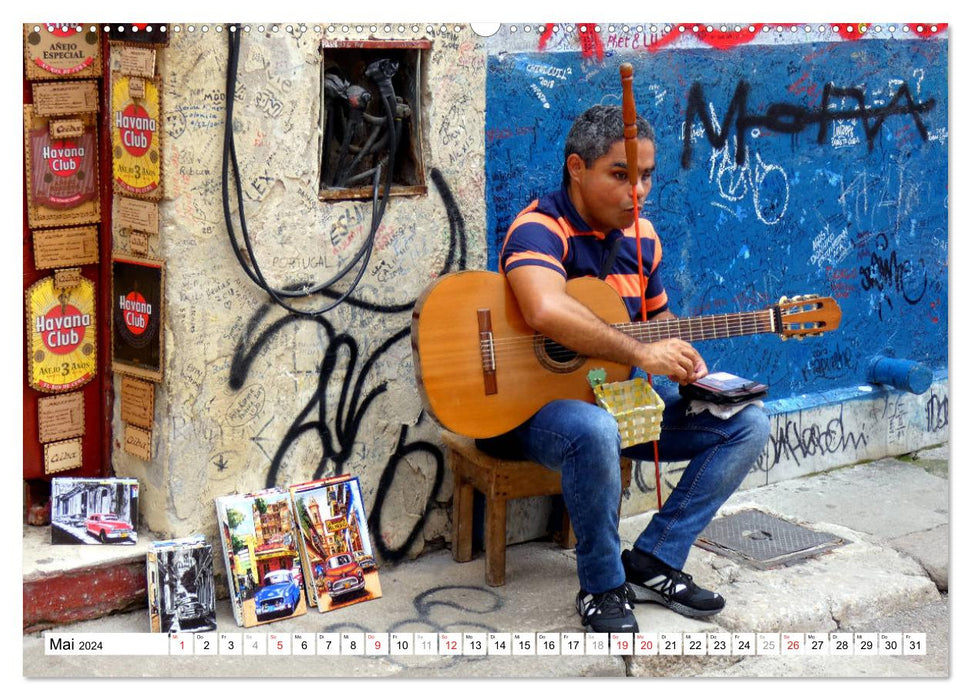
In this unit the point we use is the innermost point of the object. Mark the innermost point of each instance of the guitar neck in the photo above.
(702, 327)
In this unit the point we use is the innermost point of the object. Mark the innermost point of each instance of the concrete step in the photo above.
(66, 583)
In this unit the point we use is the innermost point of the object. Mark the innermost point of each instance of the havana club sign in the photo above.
(57, 50)
(136, 319)
(62, 352)
(136, 151)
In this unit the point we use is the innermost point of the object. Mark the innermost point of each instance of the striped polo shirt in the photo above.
(550, 233)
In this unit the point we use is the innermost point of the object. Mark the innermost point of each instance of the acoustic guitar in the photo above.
(482, 371)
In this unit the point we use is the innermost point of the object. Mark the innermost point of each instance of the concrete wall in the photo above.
(773, 194)
(255, 396)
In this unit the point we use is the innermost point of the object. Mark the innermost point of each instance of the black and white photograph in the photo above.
(94, 511)
(181, 592)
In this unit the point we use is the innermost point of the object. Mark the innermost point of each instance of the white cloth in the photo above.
(723, 411)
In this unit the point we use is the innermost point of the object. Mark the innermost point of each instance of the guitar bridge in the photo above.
(488, 351)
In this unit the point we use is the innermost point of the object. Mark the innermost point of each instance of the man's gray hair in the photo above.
(595, 131)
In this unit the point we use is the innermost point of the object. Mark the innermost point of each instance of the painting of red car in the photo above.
(108, 526)
(343, 575)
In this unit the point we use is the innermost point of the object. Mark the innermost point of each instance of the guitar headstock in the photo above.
(806, 315)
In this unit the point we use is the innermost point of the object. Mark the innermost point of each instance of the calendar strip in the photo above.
(373, 644)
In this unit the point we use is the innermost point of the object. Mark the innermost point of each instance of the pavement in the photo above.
(889, 575)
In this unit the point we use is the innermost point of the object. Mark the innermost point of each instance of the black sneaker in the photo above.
(671, 588)
(607, 612)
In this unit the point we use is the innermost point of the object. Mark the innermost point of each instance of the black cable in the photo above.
(254, 272)
(370, 146)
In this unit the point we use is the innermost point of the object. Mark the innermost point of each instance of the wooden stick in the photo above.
(630, 146)
(630, 122)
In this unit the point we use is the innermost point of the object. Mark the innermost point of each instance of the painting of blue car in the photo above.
(279, 595)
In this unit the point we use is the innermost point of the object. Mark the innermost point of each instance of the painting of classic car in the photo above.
(366, 561)
(189, 610)
(107, 526)
(339, 565)
(343, 576)
(278, 597)
(261, 555)
(94, 511)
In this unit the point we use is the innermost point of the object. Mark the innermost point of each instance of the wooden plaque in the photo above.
(139, 243)
(136, 88)
(138, 442)
(67, 278)
(136, 214)
(60, 417)
(137, 402)
(65, 247)
(66, 128)
(62, 456)
(78, 97)
(136, 60)
(62, 173)
(57, 51)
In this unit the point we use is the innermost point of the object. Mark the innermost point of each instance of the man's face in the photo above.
(602, 192)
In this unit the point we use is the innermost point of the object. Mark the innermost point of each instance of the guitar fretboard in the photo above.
(702, 327)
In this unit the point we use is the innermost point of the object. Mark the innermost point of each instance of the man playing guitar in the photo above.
(587, 228)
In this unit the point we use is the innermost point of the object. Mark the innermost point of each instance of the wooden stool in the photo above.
(499, 480)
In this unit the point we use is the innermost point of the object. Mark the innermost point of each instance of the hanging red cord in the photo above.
(630, 146)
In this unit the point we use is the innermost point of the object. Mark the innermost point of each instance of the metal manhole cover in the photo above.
(763, 541)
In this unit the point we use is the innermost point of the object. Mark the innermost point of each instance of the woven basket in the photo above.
(635, 405)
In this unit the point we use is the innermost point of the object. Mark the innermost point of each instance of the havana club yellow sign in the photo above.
(136, 131)
(62, 348)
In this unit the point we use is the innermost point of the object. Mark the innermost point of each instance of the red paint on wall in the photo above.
(590, 44)
(83, 594)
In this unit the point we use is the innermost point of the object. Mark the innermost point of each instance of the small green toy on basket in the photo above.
(634, 404)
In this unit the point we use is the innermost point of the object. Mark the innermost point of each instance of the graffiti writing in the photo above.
(768, 185)
(794, 441)
(792, 119)
(936, 412)
(590, 44)
(492, 135)
(337, 427)
(829, 247)
(268, 102)
(896, 423)
(885, 274)
(828, 363)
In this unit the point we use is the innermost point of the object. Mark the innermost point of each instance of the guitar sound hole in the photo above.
(554, 356)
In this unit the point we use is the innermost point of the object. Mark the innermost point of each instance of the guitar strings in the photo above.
(695, 329)
(558, 352)
(705, 328)
(687, 329)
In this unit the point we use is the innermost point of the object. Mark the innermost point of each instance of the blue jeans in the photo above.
(580, 440)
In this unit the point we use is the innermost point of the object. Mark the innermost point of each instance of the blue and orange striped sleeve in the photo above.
(534, 239)
(656, 297)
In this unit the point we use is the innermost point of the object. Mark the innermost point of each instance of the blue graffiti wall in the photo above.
(811, 168)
